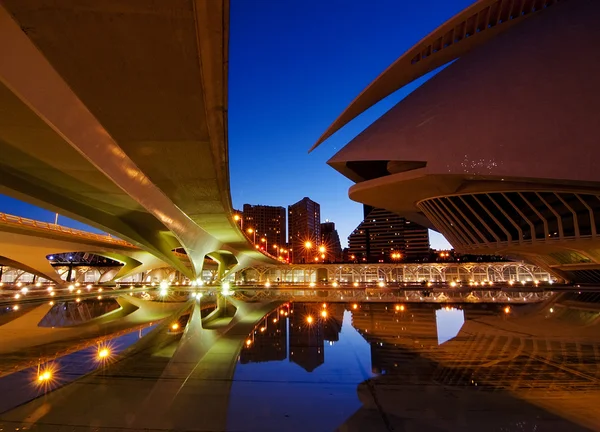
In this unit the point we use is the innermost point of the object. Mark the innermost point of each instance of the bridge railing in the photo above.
(45, 226)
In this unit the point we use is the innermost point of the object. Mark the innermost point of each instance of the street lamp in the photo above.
(239, 219)
(252, 231)
(266, 242)
(307, 247)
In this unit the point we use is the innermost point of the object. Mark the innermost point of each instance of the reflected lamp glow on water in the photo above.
(300, 368)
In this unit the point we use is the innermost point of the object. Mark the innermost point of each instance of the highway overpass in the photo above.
(114, 113)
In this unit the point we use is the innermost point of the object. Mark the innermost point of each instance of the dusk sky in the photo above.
(294, 66)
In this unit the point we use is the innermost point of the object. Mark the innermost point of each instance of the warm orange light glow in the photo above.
(506, 309)
(174, 326)
(324, 305)
(103, 353)
(45, 376)
(248, 342)
(354, 306)
(250, 230)
(309, 319)
(281, 312)
(322, 249)
(399, 307)
(324, 314)
(236, 217)
(307, 245)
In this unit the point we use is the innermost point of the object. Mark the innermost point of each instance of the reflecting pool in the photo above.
(230, 363)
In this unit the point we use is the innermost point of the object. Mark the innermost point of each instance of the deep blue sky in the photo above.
(294, 66)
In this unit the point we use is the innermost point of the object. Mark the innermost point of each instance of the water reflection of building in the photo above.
(268, 341)
(307, 336)
(333, 324)
(398, 337)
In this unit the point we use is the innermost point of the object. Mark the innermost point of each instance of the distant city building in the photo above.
(304, 224)
(268, 221)
(331, 239)
(384, 236)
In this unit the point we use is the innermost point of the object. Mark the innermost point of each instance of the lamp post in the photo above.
(266, 242)
(252, 231)
(307, 247)
(239, 219)
(323, 251)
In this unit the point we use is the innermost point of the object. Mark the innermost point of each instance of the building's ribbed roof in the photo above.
(469, 29)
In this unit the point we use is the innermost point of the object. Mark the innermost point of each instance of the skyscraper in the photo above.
(304, 225)
(268, 221)
(331, 239)
(383, 233)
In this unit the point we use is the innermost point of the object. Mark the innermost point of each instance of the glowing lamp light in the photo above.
(309, 319)
(38, 284)
(312, 284)
(44, 376)
(355, 284)
(453, 284)
(52, 293)
(335, 284)
(507, 309)
(175, 326)
(19, 284)
(89, 287)
(17, 296)
(103, 353)
(164, 284)
(71, 288)
(225, 289)
(354, 306)
(551, 310)
(324, 314)
(267, 284)
(16, 307)
(248, 342)
(381, 284)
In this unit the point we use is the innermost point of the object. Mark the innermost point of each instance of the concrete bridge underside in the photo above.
(114, 113)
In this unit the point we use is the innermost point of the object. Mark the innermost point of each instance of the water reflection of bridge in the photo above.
(514, 359)
(374, 295)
